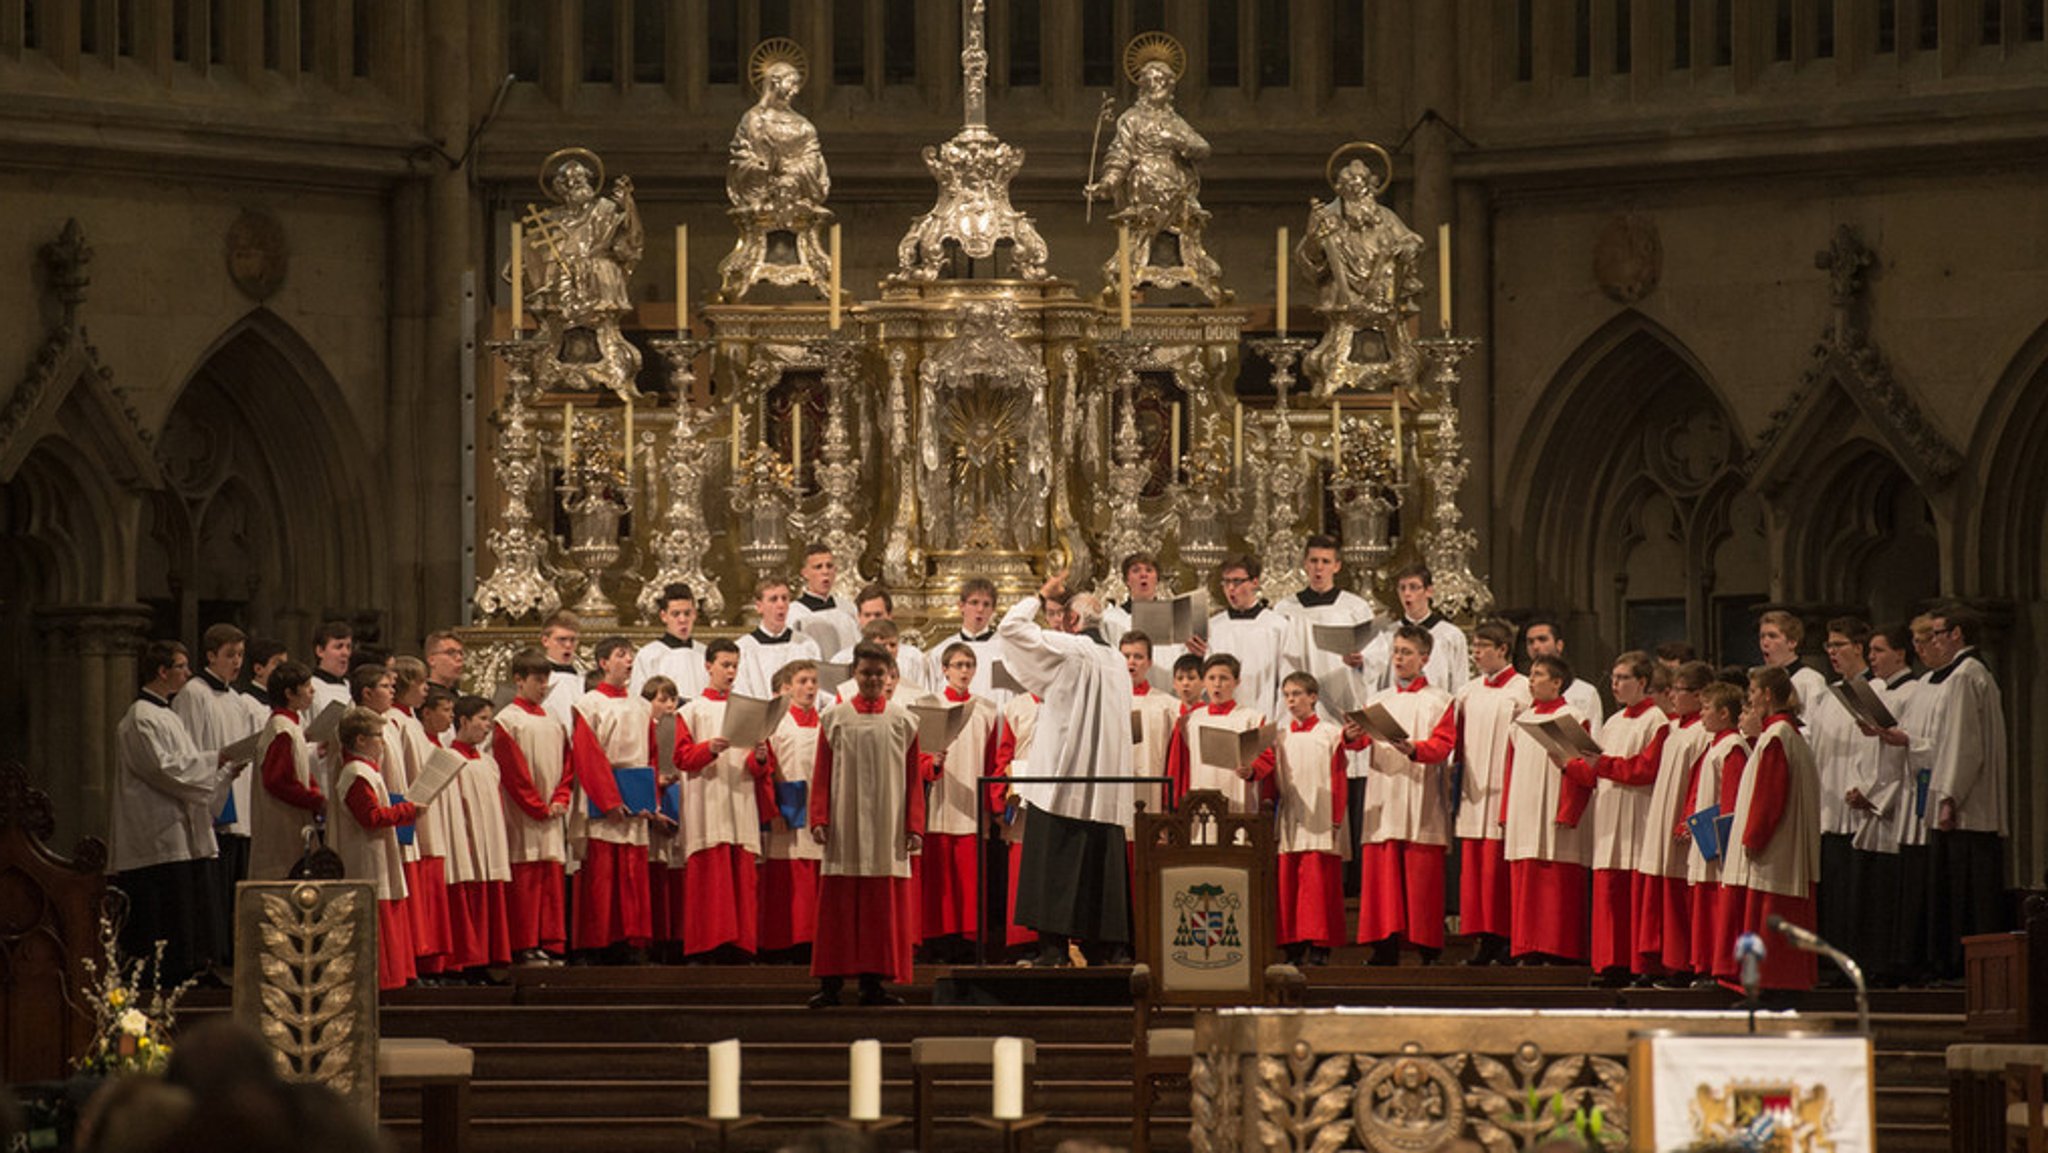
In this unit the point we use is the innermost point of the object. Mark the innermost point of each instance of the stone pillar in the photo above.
(91, 656)
(453, 227)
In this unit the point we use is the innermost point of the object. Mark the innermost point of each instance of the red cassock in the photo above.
(612, 896)
(867, 915)
(1777, 835)
(1622, 782)
(1304, 772)
(721, 828)
(788, 893)
(1407, 823)
(1545, 847)
(534, 901)
(395, 949)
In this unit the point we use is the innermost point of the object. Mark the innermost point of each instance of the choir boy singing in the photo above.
(1715, 780)
(614, 730)
(721, 820)
(406, 748)
(1891, 839)
(479, 918)
(1546, 849)
(1966, 803)
(947, 875)
(537, 778)
(1546, 640)
(772, 644)
(1449, 663)
(1778, 636)
(1773, 855)
(290, 797)
(1665, 911)
(1306, 770)
(333, 644)
(558, 636)
(789, 867)
(1252, 631)
(1188, 766)
(217, 715)
(1845, 755)
(366, 839)
(977, 606)
(1622, 785)
(673, 654)
(1407, 819)
(1487, 708)
(1156, 714)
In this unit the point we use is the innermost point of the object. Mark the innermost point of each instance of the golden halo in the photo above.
(1147, 47)
(1361, 146)
(562, 156)
(777, 50)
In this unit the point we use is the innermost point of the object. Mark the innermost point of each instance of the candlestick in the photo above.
(735, 439)
(1173, 453)
(864, 1083)
(1443, 275)
(629, 440)
(1123, 276)
(1237, 438)
(1280, 281)
(568, 438)
(518, 279)
(1336, 436)
(1397, 438)
(682, 280)
(835, 278)
(725, 1081)
(1008, 1088)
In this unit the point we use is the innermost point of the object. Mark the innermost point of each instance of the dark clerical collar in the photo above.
(1944, 672)
(255, 690)
(1429, 622)
(152, 698)
(817, 604)
(1095, 634)
(763, 638)
(329, 678)
(973, 639)
(1904, 678)
(1250, 614)
(1311, 599)
(555, 666)
(674, 643)
(219, 686)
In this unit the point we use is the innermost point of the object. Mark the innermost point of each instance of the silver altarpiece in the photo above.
(976, 415)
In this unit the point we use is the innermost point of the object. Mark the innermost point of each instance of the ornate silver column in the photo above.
(838, 472)
(519, 586)
(684, 538)
(1277, 538)
(1128, 470)
(1447, 547)
(1362, 483)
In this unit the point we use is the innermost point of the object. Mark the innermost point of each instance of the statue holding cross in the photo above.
(580, 255)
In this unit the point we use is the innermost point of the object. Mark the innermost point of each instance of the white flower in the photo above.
(134, 1023)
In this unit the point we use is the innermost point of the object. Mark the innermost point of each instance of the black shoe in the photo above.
(1705, 982)
(1051, 956)
(1385, 953)
(1428, 954)
(1643, 981)
(828, 993)
(1121, 955)
(1318, 955)
(1611, 979)
(876, 996)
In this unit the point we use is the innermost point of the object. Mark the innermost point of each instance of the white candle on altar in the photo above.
(735, 439)
(629, 441)
(724, 1104)
(1336, 435)
(864, 1083)
(1123, 276)
(1280, 281)
(1173, 453)
(1008, 1090)
(835, 278)
(1237, 438)
(1443, 275)
(796, 436)
(518, 279)
(1397, 438)
(682, 280)
(568, 438)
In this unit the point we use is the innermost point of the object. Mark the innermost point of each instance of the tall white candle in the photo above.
(1280, 281)
(1173, 433)
(1397, 438)
(1237, 438)
(724, 1104)
(1443, 275)
(682, 279)
(518, 279)
(796, 435)
(835, 278)
(568, 438)
(1336, 435)
(864, 1084)
(629, 442)
(1008, 1103)
(1123, 276)
(735, 438)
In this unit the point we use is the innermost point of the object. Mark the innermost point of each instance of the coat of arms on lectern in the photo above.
(1768, 1116)
(1206, 934)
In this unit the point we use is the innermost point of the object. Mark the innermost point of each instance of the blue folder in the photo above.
(636, 789)
(1710, 831)
(793, 800)
(406, 833)
(227, 811)
(672, 801)
(1920, 782)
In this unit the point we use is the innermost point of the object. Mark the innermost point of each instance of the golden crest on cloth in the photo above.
(1772, 1116)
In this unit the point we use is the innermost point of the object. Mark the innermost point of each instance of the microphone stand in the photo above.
(1813, 943)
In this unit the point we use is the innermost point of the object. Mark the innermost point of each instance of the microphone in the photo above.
(1804, 938)
(1799, 935)
(1749, 953)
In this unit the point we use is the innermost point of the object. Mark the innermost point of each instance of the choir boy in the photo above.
(262, 657)
(1014, 741)
(1187, 682)
(1323, 603)
(406, 749)
(1845, 755)
(913, 665)
(947, 876)
(772, 644)
(1487, 708)
(1891, 841)
(673, 654)
(1778, 636)
(290, 797)
(333, 644)
(367, 840)
(217, 715)
(1546, 849)
(664, 833)
(1252, 631)
(867, 810)
(1665, 911)
(1966, 803)
(1186, 766)
(1307, 770)
(614, 730)
(1715, 780)
(1546, 640)
(165, 793)
(820, 571)
(977, 631)
(445, 658)
(479, 916)
(558, 638)
(789, 867)
(1155, 712)
(1141, 579)
(537, 779)
(721, 834)
(1407, 820)
(1622, 787)
(1773, 854)
(1449, 664)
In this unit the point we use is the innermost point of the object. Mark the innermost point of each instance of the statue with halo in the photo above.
(776, 178)
(578, 268)
(1364, 262)
(1150, 172)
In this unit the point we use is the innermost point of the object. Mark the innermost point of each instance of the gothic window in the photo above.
(1623, 44)
(600, 41)
(650, 41)
(1824, 29)
(1681, 34)
(849, 42)
(722, 41)
(1347, 44)
(1223, 71)
(1275, 45)
(526, 35)
(1026, 41)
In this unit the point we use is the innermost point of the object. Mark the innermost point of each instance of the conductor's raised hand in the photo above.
(1054, 585)
(820, 833)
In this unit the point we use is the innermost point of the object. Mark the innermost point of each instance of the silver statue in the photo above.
(1150, 171)
(1363, 261)
(578, 267)
(973, 216)
(777, 182)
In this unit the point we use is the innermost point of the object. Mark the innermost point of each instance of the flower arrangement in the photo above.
(133, 1014)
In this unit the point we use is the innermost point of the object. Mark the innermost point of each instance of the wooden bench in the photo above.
(441, 1071)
